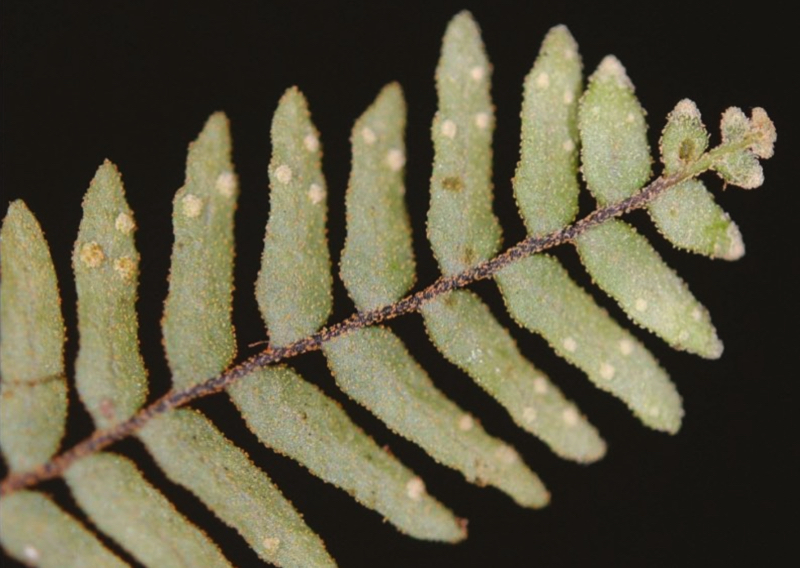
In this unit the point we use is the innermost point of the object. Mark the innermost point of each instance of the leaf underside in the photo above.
(569, 135)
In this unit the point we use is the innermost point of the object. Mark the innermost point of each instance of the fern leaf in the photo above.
(33, 393)
(465, 331)
(755, 138)
(296, 419)
(294, 284)
(684, 138)
(625, 265)
(201, 273)
(615, 153)
(543, 298)
(461, 226)
(194, 454)
(546, 184)
(34, 530)
(109, 371)
(378, 260)
(690, 219)
(112, 491)
(374, 368)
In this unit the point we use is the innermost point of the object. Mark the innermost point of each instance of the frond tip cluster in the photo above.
(599, 130)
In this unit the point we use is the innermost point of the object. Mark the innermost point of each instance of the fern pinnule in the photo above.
(294, 284)
(201, 270)
(33, 399)
(110, 376)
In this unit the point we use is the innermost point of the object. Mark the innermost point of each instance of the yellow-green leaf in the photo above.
(744, 140)
(109, 371)
(684, 138)
(757, 133)
(468, 335)
(378, 260)
(763, 132)
(198, 333)
(625, 265)
(33, 392)
(295, 418)
(542, 297)
(35, 531)
(462, 229)
(735, 126)
(614, 149)
(741, 169)
(689, 217)
(373, 367)
(194, 454)
(546, 183)
(294, 284)
(127, 508)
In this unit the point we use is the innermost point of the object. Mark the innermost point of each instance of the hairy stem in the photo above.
(101, 439)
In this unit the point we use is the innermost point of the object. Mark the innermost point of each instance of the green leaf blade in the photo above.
(614, 149)
(194, 454)
(468, 335)
(109, 371)
(462, 228)
(126, 507)
(373, 367)
(690, 219)
(295, 418)
(741, 169)
(684, 139)
(201, 274)
(546, 184)
(37, 532)
(625, 265)
(542, 297)
(33, 392)
(294, 285)
(744, 141)
(378, 260)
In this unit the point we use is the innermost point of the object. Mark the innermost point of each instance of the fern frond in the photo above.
(600, 132)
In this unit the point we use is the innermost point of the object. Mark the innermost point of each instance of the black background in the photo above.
(135, 81)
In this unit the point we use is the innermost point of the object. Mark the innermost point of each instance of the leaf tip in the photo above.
(17, 209)
(686, 108)
(462, 44)
(735, 245)
(293, 98)
(464, 22)
(391, 93)
(764, 128)
(106, 185)
(611, 70)
(559, 37)
(217, 123)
